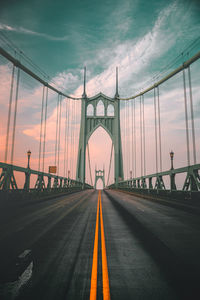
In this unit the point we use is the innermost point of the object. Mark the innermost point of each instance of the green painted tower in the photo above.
(99, 174)
(91, 119)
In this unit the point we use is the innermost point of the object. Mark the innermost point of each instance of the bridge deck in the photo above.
(152, 248)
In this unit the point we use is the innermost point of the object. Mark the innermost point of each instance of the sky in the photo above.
(145, 39)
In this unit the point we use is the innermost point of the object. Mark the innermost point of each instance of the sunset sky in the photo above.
(145, 39)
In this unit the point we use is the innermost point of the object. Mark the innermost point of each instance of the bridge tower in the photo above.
(99, 174)
(91, 119)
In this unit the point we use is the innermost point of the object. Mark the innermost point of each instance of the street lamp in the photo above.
(172, 157)
(29, 155)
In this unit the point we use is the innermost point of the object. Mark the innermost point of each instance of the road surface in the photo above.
(98, 245)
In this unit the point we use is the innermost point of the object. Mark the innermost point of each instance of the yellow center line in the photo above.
(106, 288)
(93, 286)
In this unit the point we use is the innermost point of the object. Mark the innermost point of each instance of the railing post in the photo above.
(55, 182)
(49, 183)
(7, 179)
(150, 183)
(40, 184)
(61, 181)
(172, 181)
(65, 183)
(27, 180)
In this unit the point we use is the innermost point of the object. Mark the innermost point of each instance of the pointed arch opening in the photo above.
(90, 110)
(100, 155)
(99, 184)
(110, 110)
(100, 109)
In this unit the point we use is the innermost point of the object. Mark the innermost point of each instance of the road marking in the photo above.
(106, 288)
(105, 279)
(93, 287)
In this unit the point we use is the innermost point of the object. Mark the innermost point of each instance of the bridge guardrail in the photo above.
(144, 184)
(8, 182)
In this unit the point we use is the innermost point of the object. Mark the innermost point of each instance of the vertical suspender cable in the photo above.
(45, 126)
(125, 119)
(65, 139)
(75, 139)
(41, 125)
(71, 137)
(110, 164)
(135, 154)
(124, 140)
(156, 140)
(9, 113)
(144, 142)
(128, 142)
(192, 117)
(68, 140)
(141, 148)
(59, 132)
(132, 150)
(73, 122)
(56, 143)
(127, 137)
(15, 116)
(159, 129)
(186, 119)
(89, 164)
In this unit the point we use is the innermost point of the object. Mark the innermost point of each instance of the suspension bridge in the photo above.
(138, 237)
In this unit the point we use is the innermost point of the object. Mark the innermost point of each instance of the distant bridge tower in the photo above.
(92, 118)
(99, 174)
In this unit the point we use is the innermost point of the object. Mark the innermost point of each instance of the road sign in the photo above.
(52, 169)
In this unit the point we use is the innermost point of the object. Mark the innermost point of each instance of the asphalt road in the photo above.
(47, 248)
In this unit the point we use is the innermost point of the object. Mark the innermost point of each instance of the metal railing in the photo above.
(154, 183)
(52, 183)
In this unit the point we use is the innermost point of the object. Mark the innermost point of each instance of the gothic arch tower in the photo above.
(92, 116)
(99, 174)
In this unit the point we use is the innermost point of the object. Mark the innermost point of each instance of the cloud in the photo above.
(133, 57)
(30, 32)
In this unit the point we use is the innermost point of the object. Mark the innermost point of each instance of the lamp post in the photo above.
(172, 157)
(29, 155)
(27, 173)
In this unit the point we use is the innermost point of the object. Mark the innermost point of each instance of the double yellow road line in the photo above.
(105, 279)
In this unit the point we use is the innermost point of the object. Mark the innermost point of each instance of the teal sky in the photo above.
(63, 36)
